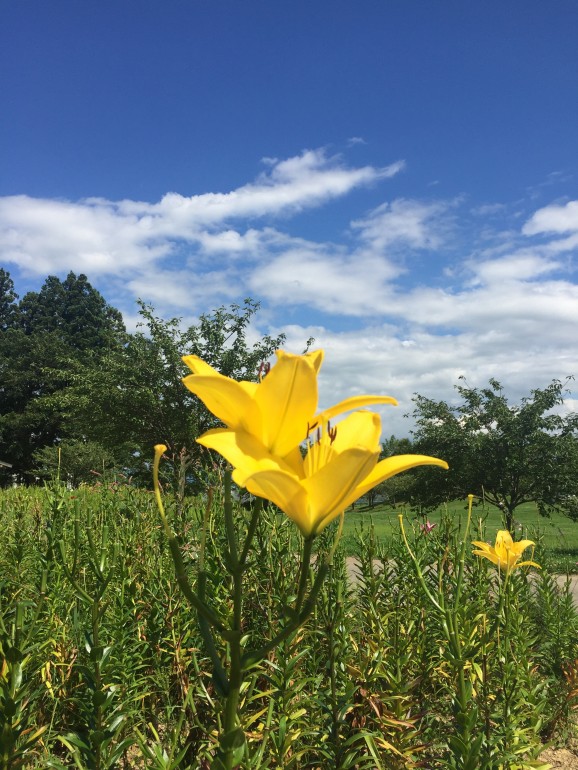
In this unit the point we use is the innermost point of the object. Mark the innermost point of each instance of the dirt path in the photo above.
(560, 759)
(352, 571)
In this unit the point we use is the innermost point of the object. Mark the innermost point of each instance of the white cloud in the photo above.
(397, 305)
(99, 236)
(288, 187)
(403, 222)
(378, 359)
(47, 236)
(553, 219)
(526, 310)
(170, 289)
(517, 267)
(332, 282)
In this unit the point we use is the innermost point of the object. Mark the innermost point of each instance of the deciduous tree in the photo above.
(67, 326)
(136, 399)
(8, 302)
(507, 454)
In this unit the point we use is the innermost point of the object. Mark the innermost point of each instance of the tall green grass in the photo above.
(102, 665)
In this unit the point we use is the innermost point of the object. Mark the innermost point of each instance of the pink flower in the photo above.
(427, 527)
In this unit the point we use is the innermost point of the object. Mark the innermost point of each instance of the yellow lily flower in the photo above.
(340, 465)
(280, 410)
(505, 554)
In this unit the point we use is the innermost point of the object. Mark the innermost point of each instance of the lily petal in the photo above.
(521, 545)
(284, 490)
(354, 402)
(361, 429)
(491, 555)
(527, 564)
(391, 466)
(335, 486)
(229, 400)
(503, 538)
(287, 398)
(505, 553)
(245, 453)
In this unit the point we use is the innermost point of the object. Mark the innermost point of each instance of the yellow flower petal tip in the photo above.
(160, 449)
(281, 409)
(276, 410)
(505, 553)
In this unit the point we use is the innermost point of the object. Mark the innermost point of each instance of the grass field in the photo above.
(558, 535)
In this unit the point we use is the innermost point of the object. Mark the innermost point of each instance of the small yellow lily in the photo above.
(340, 466)
(280, 410)
(505, 554)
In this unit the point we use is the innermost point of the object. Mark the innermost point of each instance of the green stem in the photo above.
(219, 674)
(418, 572)
(463, 553)
(185, 586)
(97, 682)
(333, 614)
(254, 656)
(230, 524)
(180, 572)
(257, 508)
(236, 671)
(450, 624)
(304, 574)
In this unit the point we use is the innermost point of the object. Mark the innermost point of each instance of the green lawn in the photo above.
(558, 535)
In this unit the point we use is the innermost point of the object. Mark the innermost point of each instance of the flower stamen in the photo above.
(310, 428)
(264, 369)
(319, 449)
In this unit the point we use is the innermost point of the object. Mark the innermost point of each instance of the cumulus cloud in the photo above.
(100, 236)
(406, 223)
(47, 236)
(380, 359)
(335, 282)
(520, 266)
(553, 219)
(172, 289)
(412, 295)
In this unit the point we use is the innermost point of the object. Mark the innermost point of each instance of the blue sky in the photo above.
(397, 179)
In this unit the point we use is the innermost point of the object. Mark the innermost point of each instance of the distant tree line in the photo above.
(82, 397)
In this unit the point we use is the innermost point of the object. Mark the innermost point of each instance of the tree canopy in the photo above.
(8, 301)
(507, 454)
(72, 379)
(44, 337)
(135, 398)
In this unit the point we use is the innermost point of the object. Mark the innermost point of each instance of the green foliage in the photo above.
(507, 455)
(8, 301)
(74, 461)
(135, 398)
(74, 311)
(65, 327)
(71, 377)
(557, 534)
(397, 489)
(110, 653)
(20, 739)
